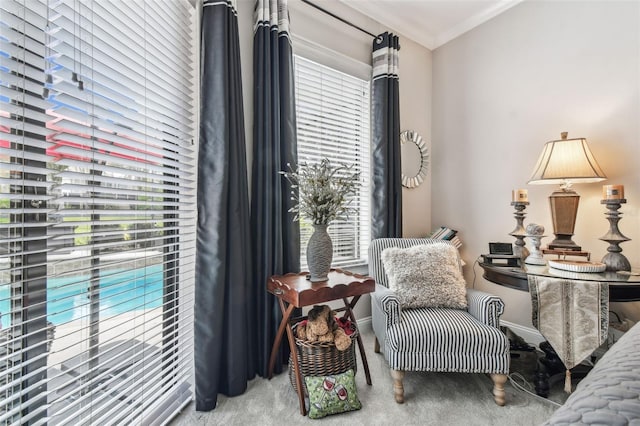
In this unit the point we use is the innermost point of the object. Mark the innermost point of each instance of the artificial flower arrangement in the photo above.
(321, 191)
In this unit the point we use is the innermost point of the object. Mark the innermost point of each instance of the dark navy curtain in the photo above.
(224, 321)
(386, 212)
(276, 237)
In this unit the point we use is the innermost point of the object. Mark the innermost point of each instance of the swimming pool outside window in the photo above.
(97, 210)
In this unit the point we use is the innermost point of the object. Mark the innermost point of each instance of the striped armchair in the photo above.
(436, 339)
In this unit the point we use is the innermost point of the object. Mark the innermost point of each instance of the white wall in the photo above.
(415, 114)
(505, 88)
(349, 44)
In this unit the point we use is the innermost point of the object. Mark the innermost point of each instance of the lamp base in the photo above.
(564, 209)
(564, 242)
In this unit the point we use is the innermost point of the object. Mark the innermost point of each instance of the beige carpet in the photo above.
(430, 399)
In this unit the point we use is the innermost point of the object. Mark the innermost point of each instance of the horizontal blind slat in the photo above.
(333, 122)
(97, 203)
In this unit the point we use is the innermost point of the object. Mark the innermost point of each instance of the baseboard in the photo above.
(364, 322)
(530, 335)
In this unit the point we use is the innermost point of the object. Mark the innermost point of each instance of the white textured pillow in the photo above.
(426, 276)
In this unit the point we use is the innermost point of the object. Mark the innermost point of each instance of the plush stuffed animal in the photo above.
(341, 339)
(321, 326)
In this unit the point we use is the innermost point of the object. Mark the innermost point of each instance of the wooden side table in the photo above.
(295, 291)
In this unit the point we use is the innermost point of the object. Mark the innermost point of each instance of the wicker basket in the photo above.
(322, 358)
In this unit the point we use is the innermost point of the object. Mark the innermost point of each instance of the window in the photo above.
(97, 210)
(332, 112)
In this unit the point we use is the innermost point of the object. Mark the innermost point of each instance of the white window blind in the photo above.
(332, 113)
(97, 210)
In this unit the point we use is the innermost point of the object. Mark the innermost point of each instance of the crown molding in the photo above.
(425, 38)
(474, 21)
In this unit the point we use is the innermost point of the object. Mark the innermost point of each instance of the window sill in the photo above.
(362, 269)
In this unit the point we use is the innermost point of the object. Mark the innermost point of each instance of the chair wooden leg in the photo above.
(376, 345)
(398, 388)
(498, 388)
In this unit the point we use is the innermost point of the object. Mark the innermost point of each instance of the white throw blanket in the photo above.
(572, 315)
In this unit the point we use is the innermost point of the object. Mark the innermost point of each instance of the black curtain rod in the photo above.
(338, 18)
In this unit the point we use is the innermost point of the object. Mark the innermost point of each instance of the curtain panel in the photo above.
(224, 320)
(276, 244)
(386, 208)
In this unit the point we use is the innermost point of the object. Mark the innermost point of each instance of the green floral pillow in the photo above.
(332, 394)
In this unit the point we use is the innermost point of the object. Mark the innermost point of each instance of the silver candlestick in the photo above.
(519, 232)
(614, 260)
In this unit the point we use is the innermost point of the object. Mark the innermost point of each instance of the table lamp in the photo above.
(565, 162)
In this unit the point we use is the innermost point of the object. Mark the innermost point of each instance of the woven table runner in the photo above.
(572, 315)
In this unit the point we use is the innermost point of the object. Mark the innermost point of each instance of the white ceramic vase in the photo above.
(319, 253)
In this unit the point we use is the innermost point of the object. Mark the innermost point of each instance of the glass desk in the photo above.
(622, 288)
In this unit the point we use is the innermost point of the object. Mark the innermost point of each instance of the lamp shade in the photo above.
(566, 160)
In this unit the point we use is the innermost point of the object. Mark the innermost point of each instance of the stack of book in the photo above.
(445, 233)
